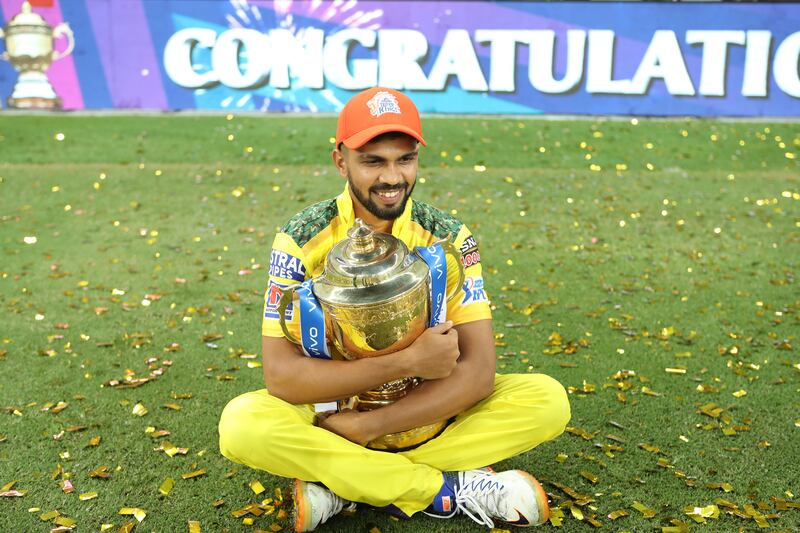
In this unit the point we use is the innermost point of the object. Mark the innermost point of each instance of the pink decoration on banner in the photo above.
(62, 73)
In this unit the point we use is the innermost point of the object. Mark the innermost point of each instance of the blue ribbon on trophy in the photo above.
(435, 258)
(312, 323)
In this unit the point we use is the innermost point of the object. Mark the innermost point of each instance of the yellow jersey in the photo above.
(301, 248)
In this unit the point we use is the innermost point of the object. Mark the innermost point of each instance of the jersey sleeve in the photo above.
(471, 302)
(287, 267)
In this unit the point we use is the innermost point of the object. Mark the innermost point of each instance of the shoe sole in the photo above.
(301, 512)
(542, 500)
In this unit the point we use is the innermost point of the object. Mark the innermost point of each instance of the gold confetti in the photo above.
(88, 496)
(166, 486)
(139, 409)
(727, 487)
(256, 486)
(100, 471)
(613, 515)
(196, 473)
(138, 514)
(66, 522)
(194, 526)
(740, 393)
(647, 512)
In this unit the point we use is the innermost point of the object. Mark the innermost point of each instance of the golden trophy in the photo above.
(29, 48)
(376, 298)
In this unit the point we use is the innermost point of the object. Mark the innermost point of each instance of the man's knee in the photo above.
(547, 403)
(558, 410)
(232, 426)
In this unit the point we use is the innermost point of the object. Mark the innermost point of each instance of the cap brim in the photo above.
(363, 137)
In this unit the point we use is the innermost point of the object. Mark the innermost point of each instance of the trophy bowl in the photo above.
(376, 299)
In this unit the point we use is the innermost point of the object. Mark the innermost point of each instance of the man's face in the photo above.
(381, 174)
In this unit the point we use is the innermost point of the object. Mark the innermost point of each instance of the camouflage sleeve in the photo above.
(471, 303)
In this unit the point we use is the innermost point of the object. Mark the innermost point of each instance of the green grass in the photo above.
(701, 276)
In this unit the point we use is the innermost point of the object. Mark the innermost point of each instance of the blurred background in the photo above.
(644, 58)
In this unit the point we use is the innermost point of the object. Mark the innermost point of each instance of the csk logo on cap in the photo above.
(383, 102)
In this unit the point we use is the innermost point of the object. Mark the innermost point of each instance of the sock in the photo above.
(444, 503)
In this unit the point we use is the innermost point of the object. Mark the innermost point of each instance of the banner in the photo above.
(707, 59)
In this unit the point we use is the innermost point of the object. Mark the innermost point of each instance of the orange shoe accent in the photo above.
(544, 504)
(299, 506)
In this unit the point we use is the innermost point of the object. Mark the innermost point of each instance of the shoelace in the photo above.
(467, 503)
(338, 505)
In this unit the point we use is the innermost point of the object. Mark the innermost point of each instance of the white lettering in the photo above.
(399, 55)
(233, 45)
(178, 58)
(785, 67)
(715, 57)
(246, 59)
(502, 56)
(301, 55)
(457, 58)
(335, 60)
(663, 59)
(600, 71)
(756, 63)
(542, 61)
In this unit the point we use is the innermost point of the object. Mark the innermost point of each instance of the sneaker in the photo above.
(314, 504)
(513, 497)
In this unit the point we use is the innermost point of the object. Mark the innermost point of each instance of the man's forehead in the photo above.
(405, 143)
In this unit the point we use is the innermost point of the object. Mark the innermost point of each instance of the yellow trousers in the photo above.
(266, 433)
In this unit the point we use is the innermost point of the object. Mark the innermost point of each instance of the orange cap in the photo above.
(376, 111)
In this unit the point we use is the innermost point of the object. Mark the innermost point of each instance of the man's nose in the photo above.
(392, 174)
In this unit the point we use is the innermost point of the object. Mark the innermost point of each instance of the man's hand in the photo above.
(347, 424)
(434, 354)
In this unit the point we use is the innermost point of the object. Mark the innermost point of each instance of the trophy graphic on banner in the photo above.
(29, 48)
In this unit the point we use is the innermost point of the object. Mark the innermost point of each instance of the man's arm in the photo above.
(295, 378)
(439, 399)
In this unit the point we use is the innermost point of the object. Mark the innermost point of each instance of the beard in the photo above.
(383, 213)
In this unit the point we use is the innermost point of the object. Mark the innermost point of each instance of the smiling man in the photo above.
(490, 417)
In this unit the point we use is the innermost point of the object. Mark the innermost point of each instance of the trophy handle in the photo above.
(286, 299)
(64, 29)
(4, 55)
(450, 250)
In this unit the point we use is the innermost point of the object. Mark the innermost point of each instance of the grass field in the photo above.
(650, 266)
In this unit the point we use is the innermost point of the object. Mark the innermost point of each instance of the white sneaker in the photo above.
(314, 504)
(514, 497)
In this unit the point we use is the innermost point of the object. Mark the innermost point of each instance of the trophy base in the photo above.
(34, 103)
(404, 440)
(34, 91)
(388, 394)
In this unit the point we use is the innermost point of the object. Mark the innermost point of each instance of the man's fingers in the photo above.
(443, 327)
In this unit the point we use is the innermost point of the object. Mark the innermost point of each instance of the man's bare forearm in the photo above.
(432, 401)
(302, 380)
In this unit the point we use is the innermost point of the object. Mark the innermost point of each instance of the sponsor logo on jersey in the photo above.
(469, 252)
(273, 298)
(473, 291)
(383, 102)
(286, 266)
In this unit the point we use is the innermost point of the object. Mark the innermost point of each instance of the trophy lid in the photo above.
(27, 17)
(368, 268)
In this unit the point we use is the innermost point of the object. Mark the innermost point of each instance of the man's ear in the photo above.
(338, 155)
